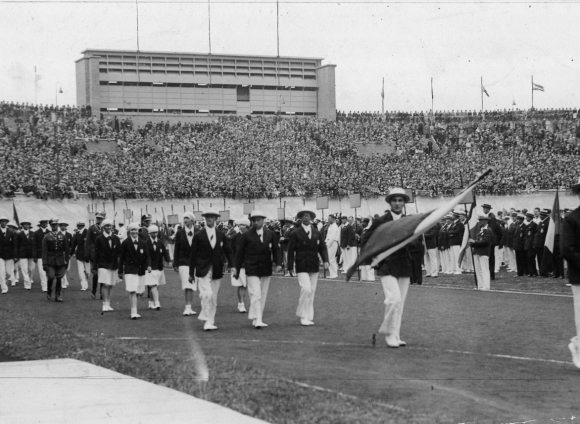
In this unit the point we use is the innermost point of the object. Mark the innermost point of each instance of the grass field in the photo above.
(471, 357)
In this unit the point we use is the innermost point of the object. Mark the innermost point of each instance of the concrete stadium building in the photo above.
(157, 86)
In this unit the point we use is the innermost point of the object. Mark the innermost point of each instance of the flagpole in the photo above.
(431, 95)
(383, 96)
(532, 92)
(35, 86)
(481, 89)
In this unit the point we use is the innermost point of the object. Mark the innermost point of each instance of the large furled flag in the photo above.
(394, 235)
(15, 214)
(554, 229)
(470, 230)
(537, 87)
(483, 90)
(383, 89)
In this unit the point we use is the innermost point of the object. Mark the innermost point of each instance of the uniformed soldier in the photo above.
(24, 244)
(94, 232)
(37, 252)
(78, 250)
(520, 244)
(540, 241)
(531, 229)
(63, 229)
(55, 259)
(7, 252)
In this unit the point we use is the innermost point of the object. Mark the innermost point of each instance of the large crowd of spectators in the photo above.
(43, 152)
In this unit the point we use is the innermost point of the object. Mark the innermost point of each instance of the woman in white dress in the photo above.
(158, 253)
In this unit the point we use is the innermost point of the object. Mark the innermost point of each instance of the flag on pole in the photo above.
(394, 235)
(15, 214)
(431, 88)
(554, 228)
(483, 90)
(383, 90)
(537, 87)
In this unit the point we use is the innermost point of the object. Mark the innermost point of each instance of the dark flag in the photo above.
(15, 214)
(554, 229)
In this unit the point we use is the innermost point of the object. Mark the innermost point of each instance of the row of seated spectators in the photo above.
(249, 157)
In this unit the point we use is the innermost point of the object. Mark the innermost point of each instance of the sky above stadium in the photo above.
(455, 43)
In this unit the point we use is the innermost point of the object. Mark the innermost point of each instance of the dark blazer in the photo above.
(69, 238)
(531, 230)
(495, 228)
(482, 243)
(37, 245)
(203, 256)
(256, 256)
(25, 244)
(78, 244)
(443, 237)
(431, 237)
(235, 244)
(55, 249)
(158, 254)
(182, 250)
(8, 248)
(519, 239)
(94, 232)
(570, 244)
(346, 236)
(105, 256)
(456, 231)
(399, 263)
(304, 251)
(540, 238)
(512, 233)
(504, 236)
(143, 233)
(133, 261)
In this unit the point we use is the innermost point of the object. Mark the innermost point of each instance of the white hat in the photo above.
(134, 225)
(153, 228)
(211, 212)
(107, 222)
(257, 213)
(243, 221)
(483, 216)
(299, 214)
(81, 223)
(189, 215)
(3, 218)
(397, 192)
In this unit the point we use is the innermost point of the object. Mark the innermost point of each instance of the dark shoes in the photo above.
(58, 298)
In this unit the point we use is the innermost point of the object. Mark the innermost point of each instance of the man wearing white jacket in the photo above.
(332, 241)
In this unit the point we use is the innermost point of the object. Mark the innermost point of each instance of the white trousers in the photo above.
(352, 255)
(9, 269)
(445, 261)
(6, 267)
(454, 259)
(467, 263)
(258, 291)
(576, 296)
(482, 271)
(27, 267)
(308, 282)
(498, 258)
(42, 275)
(345, 259)
(208, 292)
(171, 249)
(332, 265)
(431, 264)
(367, 273)
(395, 295)
(64, 278)
(512, 259)
(83, 270)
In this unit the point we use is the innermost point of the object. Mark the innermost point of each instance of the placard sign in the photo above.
(198, 216)
(248, 208)
(128, 213)
(411, 194)
(281, 214)
(469, 199)
(355, 200)
(322, 202)
(173, 219)
(224, 216)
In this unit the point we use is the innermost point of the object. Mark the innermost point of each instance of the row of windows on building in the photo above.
(202, 85)
(199, 111)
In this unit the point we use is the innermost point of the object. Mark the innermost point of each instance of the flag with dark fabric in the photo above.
(394, 235)
(15, 214)
(552, 234)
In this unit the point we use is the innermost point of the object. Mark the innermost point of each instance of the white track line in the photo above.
(464, 352)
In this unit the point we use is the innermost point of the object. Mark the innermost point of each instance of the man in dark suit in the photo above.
(456, 231)
(346, 240)
(24, 244)
(55, 259)
(255, 252)
(63, 229)
(78, 250)
(207, 250)
(540, 240)
(394, 271)
(520, 244)
(443, 245)
(531, 229)
(107, 247)
(94, 232)
(570, 248)
(134, 261)
(37, 252)
(306, 243)
(8, 253)
(284, 243)
(481, 250)
(240, 281)
(181, 255)
(431, 263)
(495, 242)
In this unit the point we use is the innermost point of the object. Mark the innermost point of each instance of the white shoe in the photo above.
(151, 305)
(14, 284)
(402, 343)
(259, 324)
(306, 322)
(109, 308)
(105, 308)
(573, 346)
(157, 306)
(392, 341)
(208, 327)
(457, 273)
(242, 308)
(135, 316)
(188, 311)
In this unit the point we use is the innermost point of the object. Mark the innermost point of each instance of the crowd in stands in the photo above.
(43, 152)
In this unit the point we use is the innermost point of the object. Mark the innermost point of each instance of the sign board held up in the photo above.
(281, 214)
(172, 219)
(198, 216)
(355, 200)
(322, 202)
(224, 216)
(470, 199)
(411, 195)
(248, 208)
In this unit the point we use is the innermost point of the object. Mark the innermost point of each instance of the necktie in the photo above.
(110, 242)
(190, 234)
(308, 234)
(211, 238)
(155, 245)
(261, 239)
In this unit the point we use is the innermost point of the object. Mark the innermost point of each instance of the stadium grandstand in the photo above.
(44, 152)
(156, 86)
